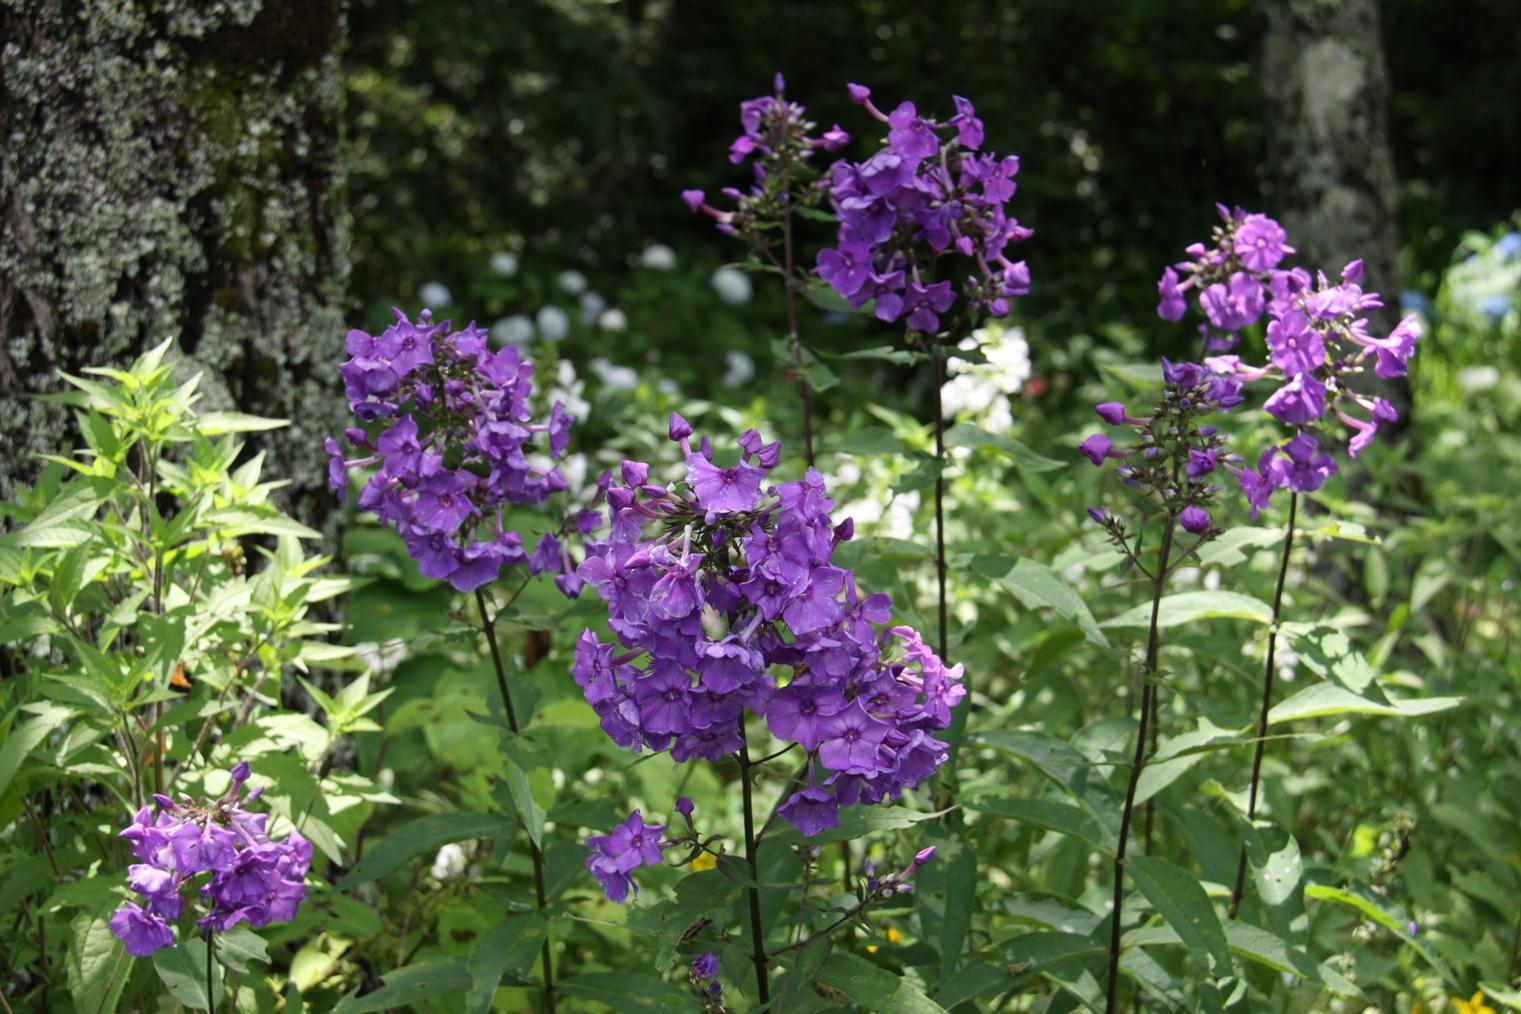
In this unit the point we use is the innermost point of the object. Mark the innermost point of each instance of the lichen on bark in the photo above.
(172, 168)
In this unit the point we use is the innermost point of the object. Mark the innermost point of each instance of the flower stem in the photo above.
(488, 624)
(1138, 763)
(211, 1003)
(797, 343)
(940, 643)
(1267, 702)
(757, 934)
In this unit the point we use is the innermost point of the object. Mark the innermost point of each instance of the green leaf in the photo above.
(873, 987)
(1037, 586)
(1231, 547)
(183, 969)
(1347, 531)
(1181, 900)
(248, 520)
(1395, 922)
(1266, 949)
(1187, 607)
(960, 869)
(240, 947)
(698, 896)
(214, 424)
(25, 738)
(623, 991)
(96, 965)
(1063, 818)
(1328, 653)
(411, 985)
(417, 837)
(886, 353)
(857, 822)
(872, 440)
(528, 810)
(969, 436)
(1321, 700)
(508, 947)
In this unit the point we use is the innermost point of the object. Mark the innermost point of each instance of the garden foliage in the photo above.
(823, 698)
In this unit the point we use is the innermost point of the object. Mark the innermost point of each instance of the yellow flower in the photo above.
(1474, 1005)
(706, 861)
(894, 935)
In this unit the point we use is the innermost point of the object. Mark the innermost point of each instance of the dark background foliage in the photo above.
(567, 128)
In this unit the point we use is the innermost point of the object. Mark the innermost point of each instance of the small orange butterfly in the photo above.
(180, 678)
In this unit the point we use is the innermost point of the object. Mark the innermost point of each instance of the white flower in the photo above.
(658, 257)
(516, 331)
(553, 322)
(592, 305)
(983, 389)
(504, 263)
(741, 369)
(434, 295)
(573, 282)
(449, 863)
(732, 285)
(614, 378)
(613, 320)
(567, 389)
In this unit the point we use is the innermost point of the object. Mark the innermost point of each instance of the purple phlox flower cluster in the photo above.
(1172, 459)
(448, 422)
(1234, 278)
(1317, 338)
(252, 879)
(930, 190)
(713, 583)
(778, 140)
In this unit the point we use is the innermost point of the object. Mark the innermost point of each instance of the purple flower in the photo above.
(141, 932)
(811, 810)
(1200, 462)
(803, 712)
(613, 857)
(1096, 448)
(1301, 400)
(1194, 520)
(1301, 468)
(1112, 412)
(1260, 243)
(1170, 304)
(1235, 304)
(853, 740)
(1297, 347)
(705, 966)
(724, 490)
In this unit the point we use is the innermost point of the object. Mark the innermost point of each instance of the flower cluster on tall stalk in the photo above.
(923, 223)
(448, 427)
(779, 142)
(1172, 463)
(449, 424)
(1319, 350)
(253, 879)
(712, 586)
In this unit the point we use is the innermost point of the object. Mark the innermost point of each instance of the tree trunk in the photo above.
(1327, 102)
(171, 167)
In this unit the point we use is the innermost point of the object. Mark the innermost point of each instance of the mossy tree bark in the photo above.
(1326, 87)
(171, 167)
